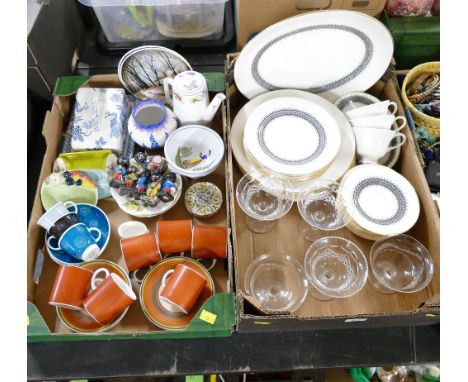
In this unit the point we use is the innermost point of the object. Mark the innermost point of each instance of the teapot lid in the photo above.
(189, 82)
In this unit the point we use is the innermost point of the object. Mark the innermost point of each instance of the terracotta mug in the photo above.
(108, 300)
(70, 287)
(209, 242)
(181, 287)
(140, 251)
(174, 236)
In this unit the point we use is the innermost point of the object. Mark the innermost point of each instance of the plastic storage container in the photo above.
(149, 20)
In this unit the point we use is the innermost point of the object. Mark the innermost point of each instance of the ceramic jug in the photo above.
(188, 95)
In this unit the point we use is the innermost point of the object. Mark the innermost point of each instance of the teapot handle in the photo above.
(167, 84)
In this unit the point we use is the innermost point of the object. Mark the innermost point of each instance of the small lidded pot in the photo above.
(151, 123)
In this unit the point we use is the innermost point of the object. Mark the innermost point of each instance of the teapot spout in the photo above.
(213, 107)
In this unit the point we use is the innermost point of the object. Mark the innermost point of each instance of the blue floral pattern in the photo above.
(100, 143)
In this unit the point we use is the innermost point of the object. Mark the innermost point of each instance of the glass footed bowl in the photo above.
(335, 267)
(278, 281)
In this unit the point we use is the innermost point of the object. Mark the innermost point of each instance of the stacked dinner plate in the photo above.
(295, 135)
(383, 201)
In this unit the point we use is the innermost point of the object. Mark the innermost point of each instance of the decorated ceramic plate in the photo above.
(203, 199)
(330, 53)
(143, 69)
(82, 323)
(159, 314)
(383, 202)
(91, 216)
(342, 162)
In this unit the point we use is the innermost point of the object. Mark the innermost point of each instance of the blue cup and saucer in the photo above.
(91, 217)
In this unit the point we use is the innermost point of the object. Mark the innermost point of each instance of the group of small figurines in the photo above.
(145, 178)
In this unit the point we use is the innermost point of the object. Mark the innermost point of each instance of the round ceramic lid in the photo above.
(156, 312)
(203, 199)
(189, 82)
(383, 201)
(292, 136)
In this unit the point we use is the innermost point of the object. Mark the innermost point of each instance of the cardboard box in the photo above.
(43, 322)
(365, 309)
(253, 16)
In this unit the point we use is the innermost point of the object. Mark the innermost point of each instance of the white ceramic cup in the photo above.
(378, 108)
(383, 121)
(372, 144)
(56, 212)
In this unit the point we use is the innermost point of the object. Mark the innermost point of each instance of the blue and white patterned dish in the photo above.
(292, 136)
(328, 53)
(91, 216)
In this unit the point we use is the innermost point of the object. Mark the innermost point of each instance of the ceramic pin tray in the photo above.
(330, 53)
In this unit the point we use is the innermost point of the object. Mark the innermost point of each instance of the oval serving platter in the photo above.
(329, 53)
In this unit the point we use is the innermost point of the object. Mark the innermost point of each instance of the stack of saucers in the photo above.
(383, 201)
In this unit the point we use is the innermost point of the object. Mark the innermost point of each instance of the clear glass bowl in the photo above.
(335, 267)
(400, 263)
(278, 281)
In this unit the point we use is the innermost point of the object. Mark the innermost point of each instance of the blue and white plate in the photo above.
(91, 216)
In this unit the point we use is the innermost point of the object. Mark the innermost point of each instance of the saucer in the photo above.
(91, 216)
(79, 322)
(157, 312)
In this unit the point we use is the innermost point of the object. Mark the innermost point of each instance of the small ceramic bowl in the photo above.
(194, 151)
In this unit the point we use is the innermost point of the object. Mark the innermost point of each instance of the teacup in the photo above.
(180, 288)
(384, 121)
(71, 285)
(209, 243)
(57, 219)
(377, 108)
(131, 228)
(79, 242)
(140, 251)
(108, 300)
(174, 236)
(372, 144)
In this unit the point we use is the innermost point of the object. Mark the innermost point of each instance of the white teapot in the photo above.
(189, 98)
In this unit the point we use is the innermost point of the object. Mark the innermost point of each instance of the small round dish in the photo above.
(278, 281)
(79, 322)
(91, 216)
(203, 199)
(153, 308)
(194, 151)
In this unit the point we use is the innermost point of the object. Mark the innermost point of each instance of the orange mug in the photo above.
(70, 287)
(209, 242)
(108, 300)
(174, 236)
(181, 287)
(140, 251)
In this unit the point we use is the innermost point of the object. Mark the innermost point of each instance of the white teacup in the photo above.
(372, 144)
(384, 107)
(384, 121)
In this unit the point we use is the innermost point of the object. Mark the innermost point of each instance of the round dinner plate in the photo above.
(330, 53)
(152, 307)
(342, 162)
(292, 136)
(91, 216)
(383, 201)
(80, 322)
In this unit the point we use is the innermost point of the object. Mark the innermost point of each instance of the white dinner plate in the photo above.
(292, 136)
(330, 53)
(383, 202)
(343, 161)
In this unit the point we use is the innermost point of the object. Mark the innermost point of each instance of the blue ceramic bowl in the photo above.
(91, 216)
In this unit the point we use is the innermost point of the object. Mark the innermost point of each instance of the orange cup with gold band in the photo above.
(209, 242)
(108, 300)
(174, 236)
(140, 251)
(181, 287)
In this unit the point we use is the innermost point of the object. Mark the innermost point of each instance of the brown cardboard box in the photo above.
(134, 324)
(255, 15)
(367, 308)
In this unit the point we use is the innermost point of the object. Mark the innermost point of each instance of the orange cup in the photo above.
(140, 251)
(209, 242)
(181, 287)
(70, 287)
(174, 236)
(109, 299)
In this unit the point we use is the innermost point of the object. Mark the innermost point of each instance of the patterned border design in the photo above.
(318, 89)
(395, 190)
(322, 136)
(356, 98)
